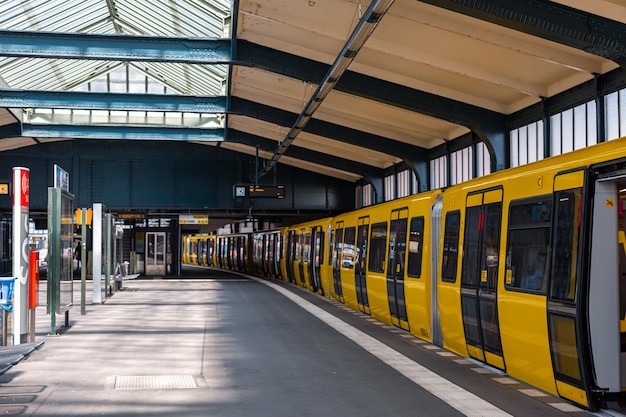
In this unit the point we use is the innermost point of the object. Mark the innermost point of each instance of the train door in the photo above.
(277, 247)
(316, 258)
(565, 316)
(395, 271)
(211, 251)
(435, 236)
(360, 264)
(268, 255)
(263, 257)
(300, 252)
(479, 276)
(242, 253)
(231, 253)
(291, 253)
(337, 252)
(202, 249)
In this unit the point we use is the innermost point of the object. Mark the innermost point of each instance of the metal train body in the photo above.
(199, 250)
(523, 269)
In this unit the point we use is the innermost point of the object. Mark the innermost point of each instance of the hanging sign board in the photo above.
(193, 219)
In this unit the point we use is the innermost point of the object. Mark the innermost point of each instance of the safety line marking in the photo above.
(464, 401)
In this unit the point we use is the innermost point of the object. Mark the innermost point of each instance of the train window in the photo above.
(566, 232)
(474, 218)
(338, 245)
(563, 342)
(451, 246)
(306, 248)
(299, 247)
(528, 245)
(416, 239)
(378, 244)
(347, 261)
(319, 247)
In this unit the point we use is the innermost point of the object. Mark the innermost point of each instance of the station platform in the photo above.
(219, 344)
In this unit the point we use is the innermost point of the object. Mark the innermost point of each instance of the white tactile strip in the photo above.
(565, 407)
(154, 382)
(531, 392)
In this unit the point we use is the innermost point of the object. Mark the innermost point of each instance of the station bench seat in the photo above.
(12, 355)
(121, 273)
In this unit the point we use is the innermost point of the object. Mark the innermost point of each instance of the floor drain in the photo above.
(154, 382)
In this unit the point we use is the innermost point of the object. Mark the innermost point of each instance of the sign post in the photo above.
(60, 233)
(97, 253)
(20, 253)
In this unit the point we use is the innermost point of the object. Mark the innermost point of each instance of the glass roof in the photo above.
(186, 18)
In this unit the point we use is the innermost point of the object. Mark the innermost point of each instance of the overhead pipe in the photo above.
(355, 42)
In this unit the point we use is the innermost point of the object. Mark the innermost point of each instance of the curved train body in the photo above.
(523, 269)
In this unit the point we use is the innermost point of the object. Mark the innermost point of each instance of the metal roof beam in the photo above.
(114, 47)
(488, 125)
(314, 157)
(123, 132)
(10, 130)
(549, 20)
(78, 100)
(326, 129)
(414, 156)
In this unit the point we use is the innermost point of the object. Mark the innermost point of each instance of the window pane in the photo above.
(416, 238)
(483, 160)
(397, 248)
(471, 245)
(592, 133)
(580, 127)
(567, 226)
(491, 244)
(404, 185)
(450, 246)
(389, 188)
(378, 241)
(567, 131)
(611, 116)
(527, 249)
(514, 141)
(523, 146)
(563, 335)
(348, 248)
(555, 134)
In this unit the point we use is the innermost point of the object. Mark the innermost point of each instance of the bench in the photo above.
(121, 273)
(12, 355)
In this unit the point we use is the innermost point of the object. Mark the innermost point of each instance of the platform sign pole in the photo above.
(20, 253)
(97, 253)
(83, 261)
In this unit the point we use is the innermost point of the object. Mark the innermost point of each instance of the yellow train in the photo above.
(523, 269)
(199, 250)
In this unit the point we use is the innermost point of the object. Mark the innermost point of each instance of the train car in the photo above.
(381, 261)
(199, 250)
(235, 252)
(533, 273)
(307, 262)
(268, 253)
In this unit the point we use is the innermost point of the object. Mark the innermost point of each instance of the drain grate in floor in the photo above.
(155, 382)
